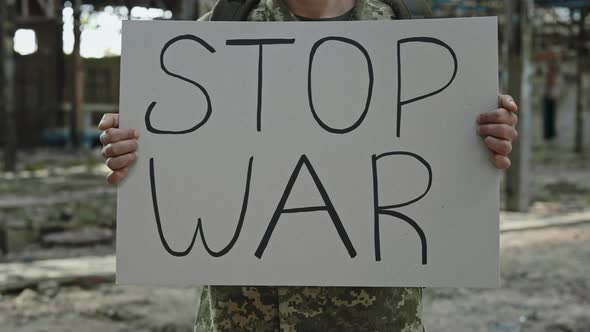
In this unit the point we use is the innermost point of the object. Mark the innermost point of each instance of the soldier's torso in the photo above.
(310, 309)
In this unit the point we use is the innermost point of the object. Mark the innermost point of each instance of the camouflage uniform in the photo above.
(309, 309)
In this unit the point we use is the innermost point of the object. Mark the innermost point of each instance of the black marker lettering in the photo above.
(260, 43)
(148, 113)
(328, 207)
(400, 102)
(386, 210)
(369, 93)
(199, 228)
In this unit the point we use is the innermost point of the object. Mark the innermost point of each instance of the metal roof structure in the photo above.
(563, 3)
(478, 5)
(45, 7)
(466, 7)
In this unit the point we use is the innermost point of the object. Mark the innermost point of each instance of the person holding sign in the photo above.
(312, 308)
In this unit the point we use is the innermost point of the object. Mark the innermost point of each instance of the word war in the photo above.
(379, 210)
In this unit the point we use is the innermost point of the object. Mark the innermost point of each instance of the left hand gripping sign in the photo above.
(339, 154)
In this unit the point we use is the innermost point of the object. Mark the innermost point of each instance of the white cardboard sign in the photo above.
(339, 154)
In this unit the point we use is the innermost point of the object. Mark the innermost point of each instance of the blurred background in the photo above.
(59, 72)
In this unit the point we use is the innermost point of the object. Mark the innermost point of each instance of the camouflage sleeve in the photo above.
(401, 9)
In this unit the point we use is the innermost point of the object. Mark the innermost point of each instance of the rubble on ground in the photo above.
(84, 237)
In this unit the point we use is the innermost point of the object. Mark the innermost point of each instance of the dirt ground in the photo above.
(545, 284)
(545, 287)
(99, 309)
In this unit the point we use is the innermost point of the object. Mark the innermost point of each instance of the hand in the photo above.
(498, 128)
(119, 146)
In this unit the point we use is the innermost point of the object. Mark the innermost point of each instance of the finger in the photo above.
(507, 102)
(121, 162)
(500, 162)
(113, 135)
(498, 146)
(501, 131)
(109, 120)
(119, 148)
(500, 115)
(115, 177)
(512, 115)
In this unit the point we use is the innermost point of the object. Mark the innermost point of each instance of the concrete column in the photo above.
(77, 79)
(518, 35)
(579, 131)
(189, 10)
(7, 67)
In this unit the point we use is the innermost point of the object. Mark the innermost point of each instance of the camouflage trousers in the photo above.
(309, 309)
